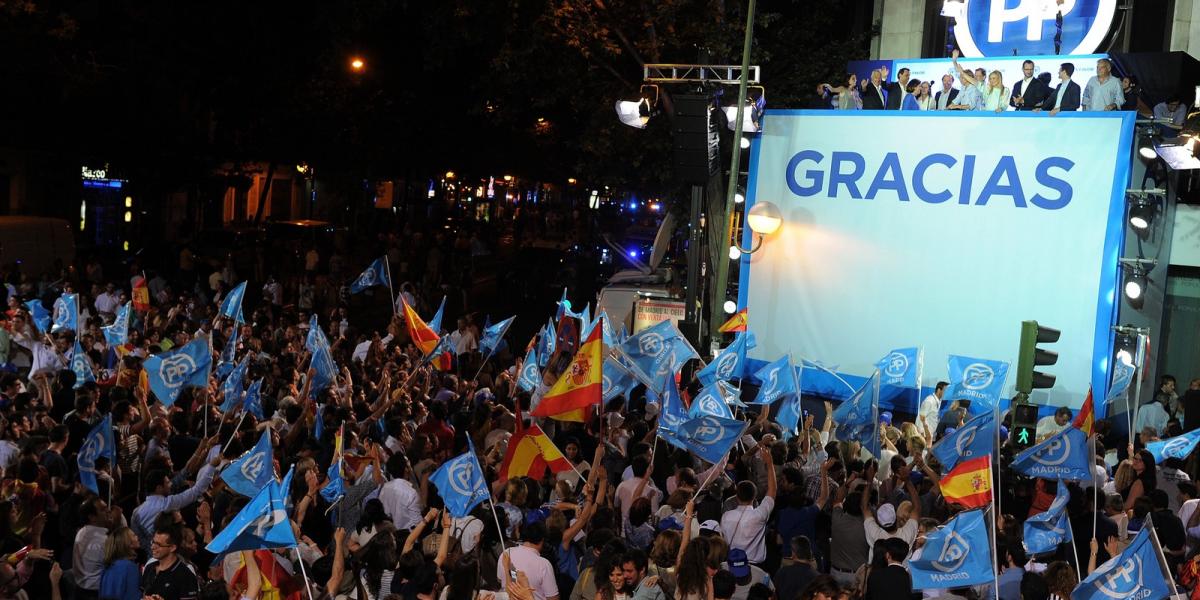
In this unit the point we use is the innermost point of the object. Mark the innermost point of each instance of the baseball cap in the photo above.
(886, 515)
(710, 526)
(885, 417)
(669, 523)
(738, 565)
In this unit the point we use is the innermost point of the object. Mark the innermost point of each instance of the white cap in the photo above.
(886, 515)
(712, 526)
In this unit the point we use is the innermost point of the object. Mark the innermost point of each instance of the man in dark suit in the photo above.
(945, 96)
(1029, 93)
(896, 89)
(1066, 96)
(872, 95)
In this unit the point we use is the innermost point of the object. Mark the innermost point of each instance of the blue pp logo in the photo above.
(1027, 27)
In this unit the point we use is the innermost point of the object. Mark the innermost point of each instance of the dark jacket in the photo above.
(937, 98)
(895, 95)
(870, 98)
(1070, 101)
(1032, 97)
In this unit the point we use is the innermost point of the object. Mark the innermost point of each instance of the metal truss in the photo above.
(720, 74)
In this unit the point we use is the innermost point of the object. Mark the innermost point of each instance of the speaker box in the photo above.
(695, 139)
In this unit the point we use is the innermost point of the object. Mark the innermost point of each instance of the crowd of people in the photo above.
(786, 515)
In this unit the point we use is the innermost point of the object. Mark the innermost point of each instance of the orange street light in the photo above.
(357, 65)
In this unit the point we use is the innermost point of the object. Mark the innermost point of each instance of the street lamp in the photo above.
(357, 64)
(763, 219)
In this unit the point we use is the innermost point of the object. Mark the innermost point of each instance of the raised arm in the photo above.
(585, 515)
(688, 511)
(444, 545)
(765, 453)
(253, 576)
(823, 496)
(965, 74)
(339, 562)
(415, 534)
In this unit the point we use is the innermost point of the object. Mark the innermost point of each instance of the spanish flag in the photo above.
(530, 452)
(580, 386)
(1085, 421)
(735, 323)
(970, 482)
(423, 337)
(141, 295)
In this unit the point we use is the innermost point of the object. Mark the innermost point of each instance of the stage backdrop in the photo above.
(938, 230)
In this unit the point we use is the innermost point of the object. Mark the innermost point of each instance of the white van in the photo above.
(36, 243)
(645, 282)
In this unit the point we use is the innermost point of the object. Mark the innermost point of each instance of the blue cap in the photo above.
(738, 565)
(670, 523)
(885, 417)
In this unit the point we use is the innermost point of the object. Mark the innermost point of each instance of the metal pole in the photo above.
(1137, 392)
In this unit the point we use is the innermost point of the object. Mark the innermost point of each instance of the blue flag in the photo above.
(789, 415)
(901, 367)
(1179, 446)
(66, 313)
(322, 357)
(99, 442)
(492, 336)
(336, 488)
(731, 362)
(655, 351)
(253, 400)
(262, 524)
(976, 379)
(1064, 455)
(564, 306)
(616, 379)
(376, 274)
(858, 417)
(529, 377)
(1045, 531)
(606, 330)
(442, 347)
(118, 333)
(40, 316)
(231, 304)
(319, 422)
(957, 554)
(778, 381)
(710, 401)
(285, 487)
(436, 322)
(1136, 572)
(315, 338)
(228, 360)
(977, 437)
(460, 483)
(233, 386)
(170, 372)
(546, 345)
(253, 470)
(81, 366)
(708, 437)
(1122, 376)
(665, 394)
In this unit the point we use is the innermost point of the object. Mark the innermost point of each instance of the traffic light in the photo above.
(1031, 356)
(1024, 429)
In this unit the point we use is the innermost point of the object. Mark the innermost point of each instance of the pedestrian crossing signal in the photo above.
(1024, 431)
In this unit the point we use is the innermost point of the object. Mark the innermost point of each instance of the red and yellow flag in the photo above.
(1085, 421)
(423, 337)
(530, 452)
(970, 482)
(579, 387)
(735, 323)
(141, 295)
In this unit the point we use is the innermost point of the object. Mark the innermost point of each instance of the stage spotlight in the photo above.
(739, 198)
(1135, 284)
(745, 142)
(1125, 346)
(1143, 208)
(637, 113)
(1146, 150)
(735, 253)
(730, 307)
(756, 101)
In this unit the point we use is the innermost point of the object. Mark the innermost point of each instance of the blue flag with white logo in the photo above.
(253, 470)
(710, 401)
(529, 377)
(81, 366)
(958, 554)
(731, 362)
(39, 315)
(231, 304)
(319, 422)
(672, 415)
(335, 488)
(1180, 446)
(778, 381)
(322, 357)
(376, 274)
(901, 367)
(315, 338)
(228, 359)
(118, 333)
(858, 417)
(443, 346)
(616, 380)
(233, 386)
(708, 437)
(545, 345)
(655, 351)
(1136, 572)
(976, 379)
(789, 416)
(436, 322)
(564, 306)
(606, 330)
(460, 483)
(1122, 376)
(261, 524)
(492, 336)
(1064, 455)
(253, 400)
(977, 437)
(66, 313)
(1046, 530)
(99, 442)
(168, 373)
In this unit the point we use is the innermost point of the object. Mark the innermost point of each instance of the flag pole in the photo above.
(1162, 560)
(1095, 492)
(235, 430)
(303, 571)
(485, 359)
(1137, 391)
(391, 293)
(995, 563)
(1075, 552)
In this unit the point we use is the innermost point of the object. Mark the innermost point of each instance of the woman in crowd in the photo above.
(995, 95)
(848, 95)
(121, 579)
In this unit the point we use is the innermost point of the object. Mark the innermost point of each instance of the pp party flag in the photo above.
(708, 437)
(335, 488)
(617, 380)
(141, 295)
(778, 381)
(958, 554)
(788, 416)
(1179, 446)
(977, 437)
(228, 359)
(231, 304)
(319, 422)
(657, 350)
(976, 379)
(564, 307)
(441, 358)
(316, 337)
(530, 376)
(737, 322)
(99, 442)
(460, 483)
(40, 316)
(492, 336)
(262, 523)
(1122, 376)
(66, 313)
(580, 385)
(118, 333)
(671, 413)
(168, 373)
(711, 401)
(901, 367)
(253, 470)
(253, 401)
(436, 322)
(1085, 421)
(1137, 572)
(81, 366)
(969, 483)
(1046, 530)
(731, 362)
(376, 274)
(546, 345)
(530, 453)
(858, 417)
(1064, 455)
(602, 321)
(424, 338)
(232, 387)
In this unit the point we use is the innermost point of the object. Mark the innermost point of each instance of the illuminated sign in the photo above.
(89, 173)
(1000, 28)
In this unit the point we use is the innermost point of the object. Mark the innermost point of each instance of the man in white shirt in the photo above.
(1170, 475)
(625, 497)
(1053, 424)
(1152, 415)
(931, 407)
(400, 500)
(462, 339)
(945, 97)
(745, 527)
(106, 302)
(527, 559)
(881, 524)
(1103, 91)
(87, 561)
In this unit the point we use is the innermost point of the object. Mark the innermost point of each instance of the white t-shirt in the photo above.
(468, 530)
(908, 533)
(930, 407)
(539, 570)
(625, 497)
(1047, 426)
(401, 502)
(745, 527)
